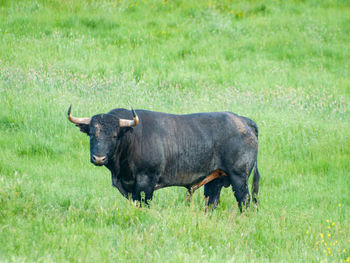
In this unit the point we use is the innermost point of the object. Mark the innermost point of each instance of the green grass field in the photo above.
(284, 64)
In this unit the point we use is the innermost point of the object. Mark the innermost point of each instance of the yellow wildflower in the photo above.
(307, 232)
(321, 235)
(333, 224)
(329, 235)
(348, 259)
(339, 205)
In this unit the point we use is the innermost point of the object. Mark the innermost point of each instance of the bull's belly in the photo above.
(180, 179)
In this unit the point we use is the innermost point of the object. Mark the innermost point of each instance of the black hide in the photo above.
(176, 150)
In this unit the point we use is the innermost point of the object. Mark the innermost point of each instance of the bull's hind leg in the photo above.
(239, 175)
(212, 192)
(239, 183)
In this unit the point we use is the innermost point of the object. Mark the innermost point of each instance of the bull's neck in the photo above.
(121, 152)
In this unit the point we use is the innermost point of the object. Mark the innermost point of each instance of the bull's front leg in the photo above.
(146, 184)
(116, 183)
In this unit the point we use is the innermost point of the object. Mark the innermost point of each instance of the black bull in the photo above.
(146, 151)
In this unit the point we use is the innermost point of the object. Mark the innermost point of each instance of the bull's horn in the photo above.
(77, 120)
(129, 123)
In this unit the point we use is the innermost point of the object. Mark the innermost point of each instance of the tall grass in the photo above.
(283, 64)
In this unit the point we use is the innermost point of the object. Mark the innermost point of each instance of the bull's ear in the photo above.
(85, 128)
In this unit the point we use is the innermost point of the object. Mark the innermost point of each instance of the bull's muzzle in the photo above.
(99, 160)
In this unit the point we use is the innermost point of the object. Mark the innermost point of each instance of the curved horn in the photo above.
(77, 120)
(129, 123)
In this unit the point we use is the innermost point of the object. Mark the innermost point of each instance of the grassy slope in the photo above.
(284, 64)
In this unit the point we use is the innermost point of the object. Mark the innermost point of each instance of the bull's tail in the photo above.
(256, 175)
(255, 184)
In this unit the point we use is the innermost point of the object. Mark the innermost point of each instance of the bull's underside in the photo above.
(159, 150)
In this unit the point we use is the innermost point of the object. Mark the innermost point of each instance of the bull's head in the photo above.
(104, 131)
